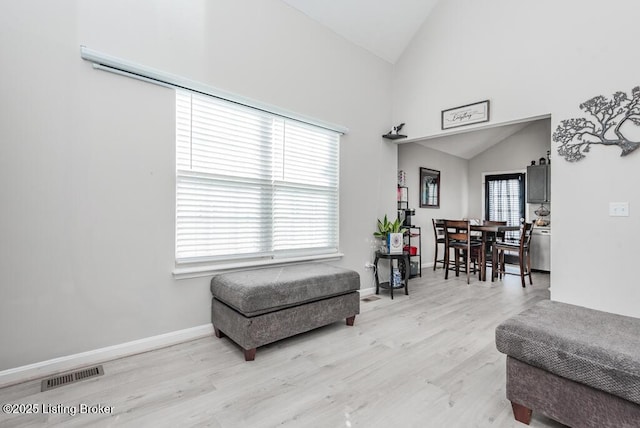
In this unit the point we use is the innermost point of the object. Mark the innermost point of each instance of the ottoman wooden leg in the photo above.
(218, 333)
(351, 320)
(521, 413)
(250, 354)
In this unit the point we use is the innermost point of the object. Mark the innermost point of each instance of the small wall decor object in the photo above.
(394, 134)
(429, 188)
(465, 115)
(609, 122)
(397, 129)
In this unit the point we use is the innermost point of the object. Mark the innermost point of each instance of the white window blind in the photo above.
(251, 184)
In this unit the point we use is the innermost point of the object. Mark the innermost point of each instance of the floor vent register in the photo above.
(69, 378)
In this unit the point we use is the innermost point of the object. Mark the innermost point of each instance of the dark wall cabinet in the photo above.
(538, 184)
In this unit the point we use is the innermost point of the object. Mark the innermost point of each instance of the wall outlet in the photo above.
(619, 209)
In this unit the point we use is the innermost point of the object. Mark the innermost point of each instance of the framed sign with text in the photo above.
(465, 115)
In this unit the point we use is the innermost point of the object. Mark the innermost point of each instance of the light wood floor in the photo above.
(423, 360)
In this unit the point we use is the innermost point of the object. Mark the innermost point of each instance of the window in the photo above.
(251, 184)
(504, 199)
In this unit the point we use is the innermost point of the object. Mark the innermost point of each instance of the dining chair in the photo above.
(521, 249)
(438, 234)
(457, 236)
(490, 240)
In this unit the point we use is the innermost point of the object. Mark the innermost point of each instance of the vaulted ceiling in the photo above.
(383, 27)
(386, 28)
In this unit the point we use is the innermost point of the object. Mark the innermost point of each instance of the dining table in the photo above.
(489, 234)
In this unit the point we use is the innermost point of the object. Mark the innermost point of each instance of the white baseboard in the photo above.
(96, 356)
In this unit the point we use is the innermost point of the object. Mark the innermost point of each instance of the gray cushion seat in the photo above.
(259, 306)
(259, 291)
(594, 348)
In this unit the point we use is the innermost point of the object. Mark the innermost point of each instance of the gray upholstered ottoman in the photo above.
(260, 306)
(578, 366)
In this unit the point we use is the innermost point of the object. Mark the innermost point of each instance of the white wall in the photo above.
(87, 158)
(513, 153)
(545, 57)
(453, 190)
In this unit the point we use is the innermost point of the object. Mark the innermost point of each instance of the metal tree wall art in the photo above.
(611, 122)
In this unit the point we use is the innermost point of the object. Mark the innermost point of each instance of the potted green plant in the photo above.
(385, 230)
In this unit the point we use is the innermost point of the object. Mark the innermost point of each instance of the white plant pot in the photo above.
(395, 242)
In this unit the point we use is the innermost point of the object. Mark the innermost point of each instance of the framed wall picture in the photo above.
(465, 115)
(429, 188)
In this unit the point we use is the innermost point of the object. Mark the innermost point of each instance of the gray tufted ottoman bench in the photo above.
(578, 366)
(257, 307)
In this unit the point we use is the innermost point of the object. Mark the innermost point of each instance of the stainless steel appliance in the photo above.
(541, 249)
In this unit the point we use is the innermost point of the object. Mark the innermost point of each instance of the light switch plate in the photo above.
(619, 209)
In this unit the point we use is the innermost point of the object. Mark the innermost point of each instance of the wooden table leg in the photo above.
(495, 263)
(483, 258)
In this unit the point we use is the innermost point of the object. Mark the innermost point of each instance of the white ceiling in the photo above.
(467, 145)
(383, 27)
